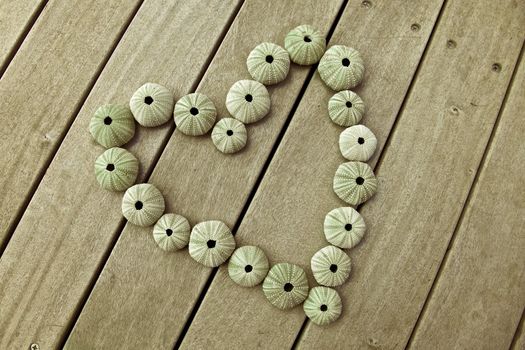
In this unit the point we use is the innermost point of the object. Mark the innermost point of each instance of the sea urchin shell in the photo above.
(357, 143)
(116, 169)
(305, 44)
(341, 68)
(268, 63)
(151, 105)
(248, 101)
(229, 135)
(194, 114)
(323, 305)
(143, 204)
(331, 266)
(285, 286)
(344, 227)
(355, 182)
(172, 232)
(112, 125)
(248, 266)
(346, 108)
(211, 243)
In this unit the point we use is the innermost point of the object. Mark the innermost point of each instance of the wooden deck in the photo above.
(442, 265)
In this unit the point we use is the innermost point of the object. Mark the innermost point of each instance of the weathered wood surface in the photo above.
(56, 251)
(157, 290)
(478, 298)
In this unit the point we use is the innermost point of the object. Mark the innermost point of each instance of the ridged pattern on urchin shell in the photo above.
(244, 109)
(152, 105)
(172, 232)
(116, 169)
(334, 71)
(305, 45)
(143, 204)
(355, 182)
(346, 108)
(248, 266)
(211, 243)
(229, 135)
(331, 266)
(268, 63)
(112, 125)
(194, 114)
(280, 277)
(357, 143)
(323, 305)
(344, 227)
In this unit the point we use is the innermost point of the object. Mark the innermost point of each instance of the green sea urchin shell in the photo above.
(323, 305)
(194, 114)
(357, 143)
(305, 44)
(268, 63)
(344, 227)
(143, 204)
(248, 266)
(151, 105)
(355, 182)
(112, 125)
(211, 243)
(229, 135)
(116, 169)
(285, 286)
(341, 68)
(331, 266)
(346, 108)
(248, 101)
(172, 232)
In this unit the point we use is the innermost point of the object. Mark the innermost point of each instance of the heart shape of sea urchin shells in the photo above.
(357, 143)
(344, 227)
(211, 243)
(341, 68)
(152, 105)
(355, 182)
(143, 204)
(112, 125)
(172, 232)
(194, 114)
(116, 169)
(268, 63)
(305, 45)
(248, 266)
(285, 286)
(346, 108)
(229, 135)
(331, 266)
(323, 305)
(248, 101)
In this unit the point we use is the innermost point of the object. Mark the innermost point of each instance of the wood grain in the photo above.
(56, 251)
(145, 295)
(287, 212)
(43, 86)
(478, 298)
(425, 174)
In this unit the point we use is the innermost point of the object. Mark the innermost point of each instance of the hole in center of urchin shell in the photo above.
(211, 243)
(169, 232)
(248, 268)
(333, 268)
(194, 111)
(359, 180)
(348, 104)
(229, 133)
(323, 308)
(248, 98)
(138, 205)
(110, 167)
(269, 58)
(288, 287)
(360, 140)
(148, 100)
(345, 62)
(307, 39)
(108, 120)
(348, 227)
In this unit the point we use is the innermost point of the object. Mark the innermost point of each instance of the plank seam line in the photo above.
(36, 183)
(471, 191)
(518, 331)
(261, 175)
(22, 37)
(104, 260)
(388, 140)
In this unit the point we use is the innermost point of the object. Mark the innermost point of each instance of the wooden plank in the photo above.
(157, 290)
(16, 19)
(63, 238)
(287, 213)
(478, 298)
(425, 174)
(43, 86)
